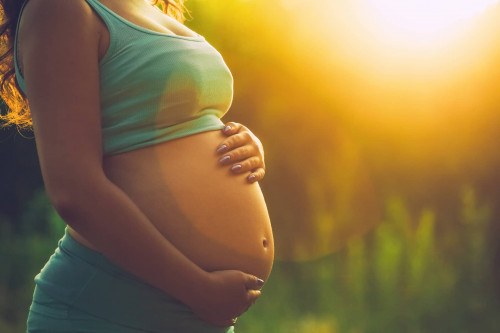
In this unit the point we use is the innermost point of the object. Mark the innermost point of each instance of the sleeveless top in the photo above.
(155, 87)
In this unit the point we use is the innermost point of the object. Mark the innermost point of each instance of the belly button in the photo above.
(264, 242)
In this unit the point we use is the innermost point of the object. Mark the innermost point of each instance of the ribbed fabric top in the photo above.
(155, 87)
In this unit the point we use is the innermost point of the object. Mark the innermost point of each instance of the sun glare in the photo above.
(425, 19)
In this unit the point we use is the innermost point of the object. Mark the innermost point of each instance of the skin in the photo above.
(244, 149)
(62, 81)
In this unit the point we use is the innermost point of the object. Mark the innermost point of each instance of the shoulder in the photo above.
(50, 18)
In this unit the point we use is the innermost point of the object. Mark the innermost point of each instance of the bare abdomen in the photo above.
(214, 217)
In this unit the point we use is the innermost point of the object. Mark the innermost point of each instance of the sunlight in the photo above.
(424, 19)
(390, 48)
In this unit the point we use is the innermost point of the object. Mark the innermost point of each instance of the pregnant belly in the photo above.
(214, 217)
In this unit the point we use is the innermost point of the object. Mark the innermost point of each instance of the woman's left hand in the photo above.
(243, 151)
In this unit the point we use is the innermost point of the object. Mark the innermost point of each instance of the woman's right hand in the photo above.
(226, 295)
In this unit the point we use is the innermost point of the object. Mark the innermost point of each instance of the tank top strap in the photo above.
(109, 17)
(112, 21)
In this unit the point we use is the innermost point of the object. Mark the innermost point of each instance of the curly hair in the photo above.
(174, 9)
(16, 104)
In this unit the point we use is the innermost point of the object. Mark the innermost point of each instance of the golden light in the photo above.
(387, 84)
(423, 21)
(396, 55)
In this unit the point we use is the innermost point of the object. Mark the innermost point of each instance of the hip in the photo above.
(79, 290)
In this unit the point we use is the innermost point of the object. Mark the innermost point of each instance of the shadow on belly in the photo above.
(211, 240)
(215, 218)
(219, 247)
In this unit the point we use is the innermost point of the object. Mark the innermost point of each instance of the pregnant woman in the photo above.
(168, 230)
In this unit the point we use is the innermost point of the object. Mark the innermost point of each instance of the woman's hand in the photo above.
(243, 151)
(226, 295)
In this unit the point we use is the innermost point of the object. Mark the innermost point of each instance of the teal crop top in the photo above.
(155, 87)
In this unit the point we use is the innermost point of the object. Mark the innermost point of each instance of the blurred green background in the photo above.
(381, 127)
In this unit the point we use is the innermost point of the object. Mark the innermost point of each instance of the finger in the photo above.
(224, 323)
(234, 141)
(253, 295)
(240, 154)
(249, 164)
(257, 175)
(253, 283)
(231, 128)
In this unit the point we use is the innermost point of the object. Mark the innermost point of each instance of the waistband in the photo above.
(71, 247)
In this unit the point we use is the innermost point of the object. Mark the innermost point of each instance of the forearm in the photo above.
(102, 213)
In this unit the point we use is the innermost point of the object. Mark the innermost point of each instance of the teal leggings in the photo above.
(79, 290)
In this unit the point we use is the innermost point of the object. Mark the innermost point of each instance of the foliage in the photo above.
(22, 254)
(403, 276)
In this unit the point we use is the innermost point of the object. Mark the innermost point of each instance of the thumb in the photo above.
(254, 282)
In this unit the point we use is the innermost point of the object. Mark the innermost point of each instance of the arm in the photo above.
(243, 151)
(59, 40)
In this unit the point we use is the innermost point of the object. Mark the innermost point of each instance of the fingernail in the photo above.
(236, 167)
(227, 128)
(251, 178)
(260, 282)
(224, 159)
(221, 149)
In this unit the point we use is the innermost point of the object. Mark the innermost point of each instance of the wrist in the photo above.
(193, 287)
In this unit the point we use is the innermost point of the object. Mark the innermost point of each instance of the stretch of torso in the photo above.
(217, 219)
